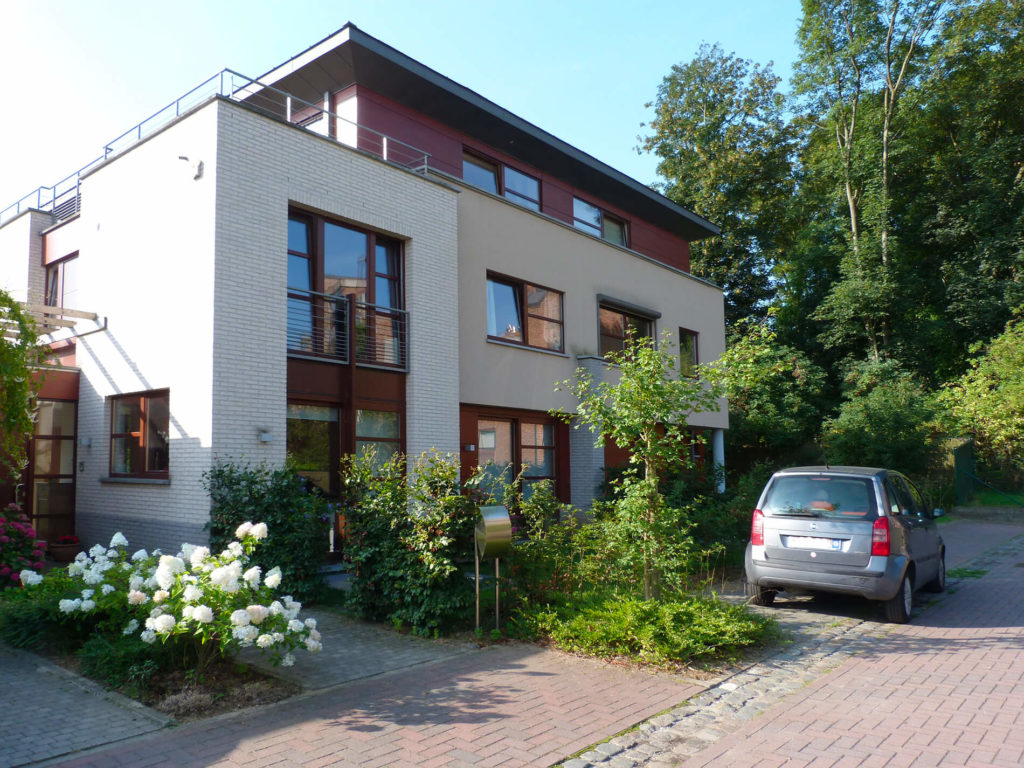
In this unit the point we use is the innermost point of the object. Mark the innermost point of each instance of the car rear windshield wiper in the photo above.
(796, 512)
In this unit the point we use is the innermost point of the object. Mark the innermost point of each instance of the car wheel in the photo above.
(897, 608)
(760, 595)
(938, 584)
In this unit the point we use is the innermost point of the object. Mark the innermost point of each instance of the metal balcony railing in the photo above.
(322, 326)
(64, 198)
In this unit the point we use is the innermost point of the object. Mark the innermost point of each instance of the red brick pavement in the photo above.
(945, 690)
(504, 706)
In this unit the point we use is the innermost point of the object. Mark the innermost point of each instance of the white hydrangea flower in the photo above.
(311, 623)
(273, 579)
(131, 627)
(92, 576)
(118, 540)
(192, 593)
(314, 634)
(112, 553)
(188, 611)
(87, 593)
(160, 595)
(164, 623)
(240, 618)
(313, 646)
(140, 554)
(135, 581)
(242, 530)
(252, 576)
(106, 589)
(198, 556)
(257, 613)
(258, 531)
(236, 549)
(245, 635)
(276, 609)
(148, 636)
(203, 614)
(88, 605)
(157, 611)
(30, 578)
(97, 550)
(69, 606)
(76, 568)
(295, 626)
(288, 660)
(278, 637)
(135, 597)
(81, 557)
(264, 641)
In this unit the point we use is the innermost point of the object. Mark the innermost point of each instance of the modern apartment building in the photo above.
(350, 251)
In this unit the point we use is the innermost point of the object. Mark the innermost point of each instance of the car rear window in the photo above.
(849, 498)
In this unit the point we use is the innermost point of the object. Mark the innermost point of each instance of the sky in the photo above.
(77, 74)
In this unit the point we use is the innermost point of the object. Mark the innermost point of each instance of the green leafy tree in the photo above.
(774, 394)
(988, 400)
(725, 149)
(19, 358)
(645, 410)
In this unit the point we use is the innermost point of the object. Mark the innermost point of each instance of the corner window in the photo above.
(617, 325)
(597, 222)
(687, 352)
(516, 186)
(524, 313)
(139, 434)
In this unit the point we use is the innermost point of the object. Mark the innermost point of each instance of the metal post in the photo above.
(497, 590)
(476, 561)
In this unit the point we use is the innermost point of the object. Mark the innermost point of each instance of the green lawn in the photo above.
(990, 498)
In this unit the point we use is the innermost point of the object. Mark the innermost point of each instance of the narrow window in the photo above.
(593, 220)
(688, 352)
(378, 433)
(480, 173)
(522, 189)
(139, 434)
(312, 444)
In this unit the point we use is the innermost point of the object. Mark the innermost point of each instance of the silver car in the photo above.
(853, 530)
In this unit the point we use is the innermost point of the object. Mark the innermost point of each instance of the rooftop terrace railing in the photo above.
(64, 198)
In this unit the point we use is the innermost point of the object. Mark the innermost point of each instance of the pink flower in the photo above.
(38, 566)
(37, 553)
(15, 576)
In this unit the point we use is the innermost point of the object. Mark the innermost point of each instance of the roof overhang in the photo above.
(352, 57)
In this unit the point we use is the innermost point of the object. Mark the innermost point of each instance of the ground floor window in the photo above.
(378, 433)
(312, 444)
(53, 470)
(507, 444)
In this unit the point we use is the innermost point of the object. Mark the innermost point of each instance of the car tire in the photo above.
(897, 608)
(760, 595)
(938, 584)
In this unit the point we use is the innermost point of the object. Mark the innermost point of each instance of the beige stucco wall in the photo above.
(499, 236)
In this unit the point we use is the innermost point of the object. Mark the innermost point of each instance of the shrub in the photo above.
(296, 517)
(122, 660)
(199, 604)
(667, 632)
(19, 549)
(408, 541)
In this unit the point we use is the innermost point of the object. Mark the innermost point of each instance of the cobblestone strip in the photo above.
(669, 738)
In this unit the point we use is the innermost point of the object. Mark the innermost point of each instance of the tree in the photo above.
(725, 152)
(19, 357)
(988, 400)
(645, 411)
(773, 392)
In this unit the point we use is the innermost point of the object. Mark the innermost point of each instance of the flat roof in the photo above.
(350, 56)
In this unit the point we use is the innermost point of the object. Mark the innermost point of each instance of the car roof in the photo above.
(835, 470)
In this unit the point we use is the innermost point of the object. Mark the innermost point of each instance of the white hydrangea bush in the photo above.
(218, 603)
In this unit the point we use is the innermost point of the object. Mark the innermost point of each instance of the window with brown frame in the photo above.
(498, 179)
(506, 444)
(688, 354)
(139, 434)
(617, 325)
(590, 218)
(524, 313)
(61, 281)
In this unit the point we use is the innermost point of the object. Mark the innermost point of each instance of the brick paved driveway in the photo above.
(946, 690)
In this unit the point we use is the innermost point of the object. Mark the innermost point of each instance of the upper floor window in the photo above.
(688, 352)
(61, 282)
(522, 189)
(592, 219)
(617, 325)
(524, 313)
(139, 434)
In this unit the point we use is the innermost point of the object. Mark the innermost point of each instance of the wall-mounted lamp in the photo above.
(266, 437)
(469, 447)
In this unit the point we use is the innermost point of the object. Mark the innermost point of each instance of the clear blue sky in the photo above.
(78, 73)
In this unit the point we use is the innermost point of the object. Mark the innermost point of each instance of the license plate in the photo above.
(813, 542)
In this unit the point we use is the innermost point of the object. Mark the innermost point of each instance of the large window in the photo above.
(139, 434)
(524, 313)
(378, 433)
(312, 444)
(53, 469)
(521, 188)
(617, 325)
(504, 445)
(325, 257)
(599, 223)
(688, 358)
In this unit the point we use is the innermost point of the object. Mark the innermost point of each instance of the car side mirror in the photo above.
(938, 512)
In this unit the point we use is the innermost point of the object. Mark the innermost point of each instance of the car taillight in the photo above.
(757, 529)
(880, 537)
